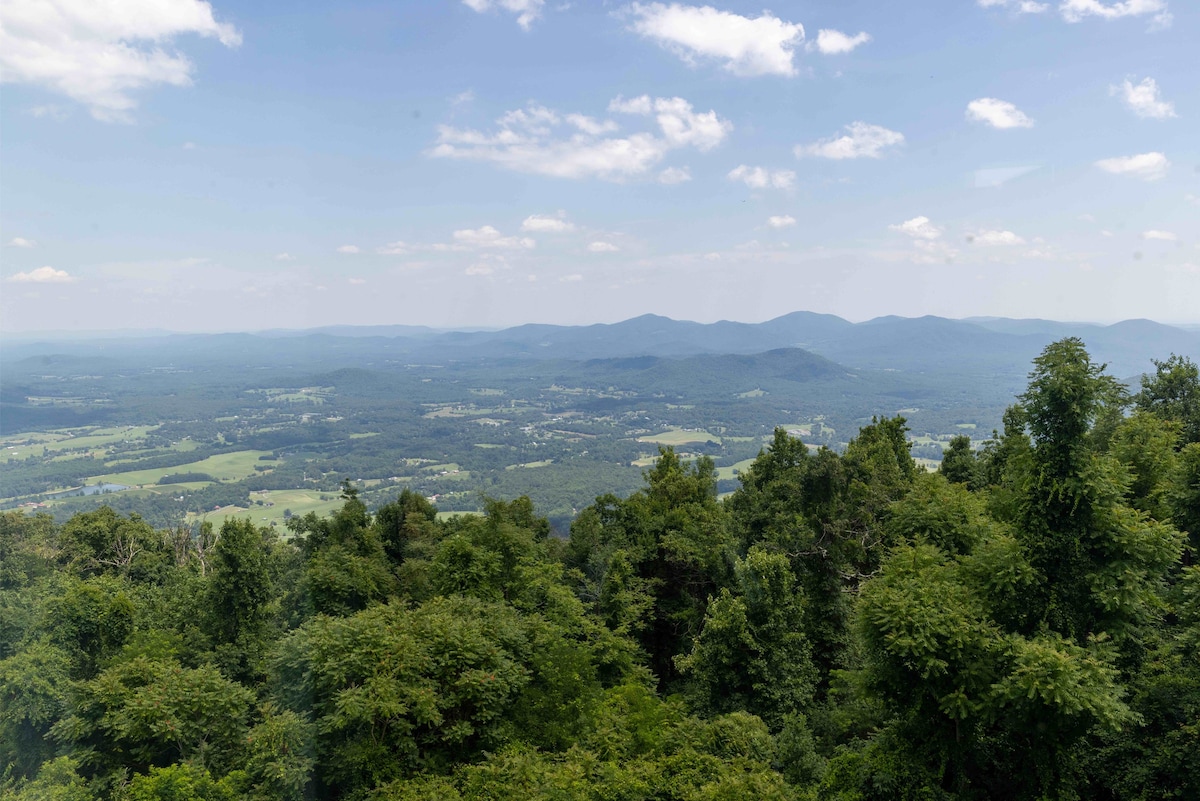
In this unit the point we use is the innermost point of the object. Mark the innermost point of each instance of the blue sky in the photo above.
(239, 166)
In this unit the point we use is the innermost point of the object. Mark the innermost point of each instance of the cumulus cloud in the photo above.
(1164, 236)
(1077, 10)
(781, 221)
(357, 281)
(918, 228)
(22, 242)
(861, 141)
(489, 237)
(603, 247)
(762, 178)
(543, 223)
(997, 113)
(572, 278)
(1143, 98)
(284, 257)
(538, 140)
(995, 238)
(526, 10)
(831, 42)
(349, 249)
(1147, 166)
(762, 45)
(99, 52)
(42, 275)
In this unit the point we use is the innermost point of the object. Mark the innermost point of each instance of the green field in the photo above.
(298, 501)
(542, 463)
(223, 467)
(728, 472)
(679, 436)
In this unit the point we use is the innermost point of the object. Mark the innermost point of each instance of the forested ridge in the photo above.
(1022, 624)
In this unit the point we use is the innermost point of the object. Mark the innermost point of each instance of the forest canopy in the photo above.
(1023, 624)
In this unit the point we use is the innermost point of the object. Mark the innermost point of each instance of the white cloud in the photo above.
(465, 96)
(526, 10)
(918, 228)
(572, 278)
(42, 275)
(1021, 6)
(480, 268)
(188, 146)
(1147, 166)
(349, 249)
(22, 242)
(284, 257)
(489, 237)
(763, 45)
(831, 42)
(544, 223)
(1165, 236)
(393, 249)
(781, 221)
(603, 247)
(357, 281)
(1144, 99)
(674, 175)
(862, 141)
(997, 113)
(590, 125)
(533, 140)
(51, 110)
(762, 178)
(1077, 10)
(98, 52)
(995, 238)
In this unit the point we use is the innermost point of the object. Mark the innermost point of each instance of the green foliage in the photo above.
(147, 713)
(752, 655)
(1173, 395)
(959, 463)
(33, 687)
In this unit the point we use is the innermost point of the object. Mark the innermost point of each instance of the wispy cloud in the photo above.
(1147, 166)
(547, 224)
(762, 178)
(349, 249)
(526, 11)
(42, 275)
(1144, 99)
(21, 242)
(1078, 10)
(994, 239)
(541, 141)
(861, 140)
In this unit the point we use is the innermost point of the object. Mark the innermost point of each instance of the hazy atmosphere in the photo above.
(239, 166)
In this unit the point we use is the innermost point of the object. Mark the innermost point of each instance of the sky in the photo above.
(233, 166)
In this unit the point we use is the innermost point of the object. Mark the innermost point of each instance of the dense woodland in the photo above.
(1023, 624)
